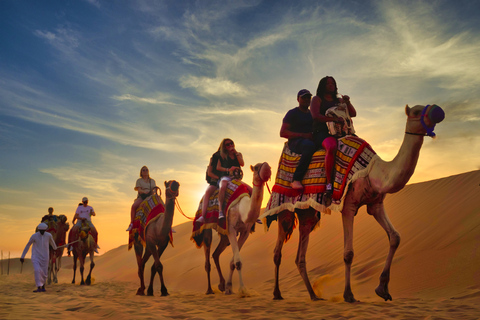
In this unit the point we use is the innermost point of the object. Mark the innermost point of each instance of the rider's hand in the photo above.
(22, 260)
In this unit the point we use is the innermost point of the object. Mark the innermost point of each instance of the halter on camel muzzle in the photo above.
(435, 114)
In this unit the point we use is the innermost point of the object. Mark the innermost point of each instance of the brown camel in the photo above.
(157, 237)
(85, 245)
(59, 233)
(369, 187)
(241, 217)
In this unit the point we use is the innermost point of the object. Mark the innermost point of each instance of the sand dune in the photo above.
(435, 273)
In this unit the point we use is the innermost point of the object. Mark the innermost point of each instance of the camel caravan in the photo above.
(232, 208)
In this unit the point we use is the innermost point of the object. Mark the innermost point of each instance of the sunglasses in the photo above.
(144, 169)
(228, 144)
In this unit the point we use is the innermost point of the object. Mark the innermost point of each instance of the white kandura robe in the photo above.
(40, 255)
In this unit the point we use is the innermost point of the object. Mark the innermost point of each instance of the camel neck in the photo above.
(390, 177)
(169, 211)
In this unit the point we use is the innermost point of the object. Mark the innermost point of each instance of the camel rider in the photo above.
(84, 213)
(297, 128)
(41, 241)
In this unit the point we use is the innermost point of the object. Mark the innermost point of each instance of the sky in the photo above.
(90, 91)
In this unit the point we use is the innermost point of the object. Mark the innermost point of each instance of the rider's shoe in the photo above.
(220, 215)
(130, 227)
(201, 220)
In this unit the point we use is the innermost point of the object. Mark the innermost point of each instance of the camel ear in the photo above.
(252, 168)
(407, 109)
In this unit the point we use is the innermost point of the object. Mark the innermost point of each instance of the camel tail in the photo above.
(198, 239)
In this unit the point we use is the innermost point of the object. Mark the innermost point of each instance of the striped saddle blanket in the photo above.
(353, 154)
(148, 211)
(234, 192)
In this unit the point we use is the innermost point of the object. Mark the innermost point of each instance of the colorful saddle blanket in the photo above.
(148, 211)
(234, 192)
(353, 155)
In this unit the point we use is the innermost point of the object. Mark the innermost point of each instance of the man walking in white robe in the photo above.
(40, 255)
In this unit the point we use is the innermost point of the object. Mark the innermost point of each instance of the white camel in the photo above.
(241, 216)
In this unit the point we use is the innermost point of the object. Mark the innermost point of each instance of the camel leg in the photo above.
(286, 221)
(236, 261)
(348, 217)
(207, 244)
(241, 241)
(222, 245)
(82, 267)
(50, 271)
(307, 219)
(378, 212)
(141, 261)
(159, 268)
(88, 281)
(74, 266)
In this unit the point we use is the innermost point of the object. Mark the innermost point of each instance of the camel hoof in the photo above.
(150, 293)
(315, 298)
(140, 292)
(210, 291)
(383, 294)
(277, 298)
(221, 287)
(349, 298)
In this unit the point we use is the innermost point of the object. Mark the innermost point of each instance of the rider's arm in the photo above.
(239, 158)
(351, 109)
(210, 172)
(286, 133)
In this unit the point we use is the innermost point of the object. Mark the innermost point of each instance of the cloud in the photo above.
(130, 97)
(213, 86)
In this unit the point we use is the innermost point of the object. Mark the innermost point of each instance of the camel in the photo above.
(241, 217)
(85, 245)
(368, 188)
(157, 237)
(55, 263)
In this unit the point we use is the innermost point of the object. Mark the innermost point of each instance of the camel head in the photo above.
(62, 218)
(261, 173)
(171, 189)
(422, 119)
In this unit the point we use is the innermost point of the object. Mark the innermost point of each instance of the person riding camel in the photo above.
(83, 214)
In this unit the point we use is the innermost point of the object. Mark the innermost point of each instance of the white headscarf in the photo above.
(42, 226)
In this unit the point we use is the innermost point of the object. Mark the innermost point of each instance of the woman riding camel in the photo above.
(213, 179)
(230, 160)
(145, 186)
(327, 97)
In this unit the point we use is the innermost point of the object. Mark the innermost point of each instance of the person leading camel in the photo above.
(213, 179)
(229, 161)
(327, 97)
(297, 128)
(41, 241)
(145, 186)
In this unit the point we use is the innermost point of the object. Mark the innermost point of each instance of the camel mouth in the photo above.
(434, 114)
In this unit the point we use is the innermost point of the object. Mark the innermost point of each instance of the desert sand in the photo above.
(435, 272)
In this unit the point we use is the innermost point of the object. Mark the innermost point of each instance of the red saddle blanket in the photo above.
(234, 192)
(353, 154)
(148, 211)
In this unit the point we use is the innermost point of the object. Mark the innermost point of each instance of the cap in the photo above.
(303, 92)
(84, 199)
(42, 226)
